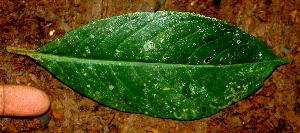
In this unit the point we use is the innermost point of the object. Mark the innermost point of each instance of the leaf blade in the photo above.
(165, 64)
(129, 100)
(148, 43)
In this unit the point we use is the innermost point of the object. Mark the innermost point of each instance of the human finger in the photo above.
(22, 101)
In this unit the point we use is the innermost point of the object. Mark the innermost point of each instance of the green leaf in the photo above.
(166, 64)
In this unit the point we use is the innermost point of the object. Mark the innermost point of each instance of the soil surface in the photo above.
(275, 107)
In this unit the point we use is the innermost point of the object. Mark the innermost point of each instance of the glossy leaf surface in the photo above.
(165, 64)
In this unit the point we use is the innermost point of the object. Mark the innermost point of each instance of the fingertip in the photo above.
(22, 101)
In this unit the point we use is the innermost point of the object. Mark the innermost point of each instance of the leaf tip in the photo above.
(286, 61)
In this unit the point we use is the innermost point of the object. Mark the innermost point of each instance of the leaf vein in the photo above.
(119, 80)
(108, 36)
(206, 43)
(178, 41)
(58, 66)
(79, 73)
(146, 24)
(95, 30)
(106, 86)
(140, 77)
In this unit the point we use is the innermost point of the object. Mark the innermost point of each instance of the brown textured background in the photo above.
(273, 108)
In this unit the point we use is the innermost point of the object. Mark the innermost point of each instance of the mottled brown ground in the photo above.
(273, 108)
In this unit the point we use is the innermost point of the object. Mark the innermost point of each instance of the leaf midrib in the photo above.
(34, 54)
